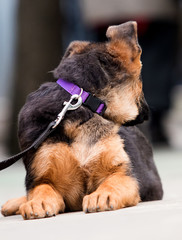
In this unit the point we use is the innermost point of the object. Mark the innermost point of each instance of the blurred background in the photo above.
(34, 35)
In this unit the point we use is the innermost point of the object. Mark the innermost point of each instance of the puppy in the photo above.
(90, 162)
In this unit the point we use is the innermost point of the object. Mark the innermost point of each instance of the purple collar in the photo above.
(90, 101)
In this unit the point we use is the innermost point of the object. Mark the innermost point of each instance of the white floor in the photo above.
(152, 220)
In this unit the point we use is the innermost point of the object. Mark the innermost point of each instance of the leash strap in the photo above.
(51, 127)
(10, 161)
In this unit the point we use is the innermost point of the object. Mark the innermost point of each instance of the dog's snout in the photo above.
(142, 116)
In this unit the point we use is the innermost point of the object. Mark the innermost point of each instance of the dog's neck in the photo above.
(92, 130)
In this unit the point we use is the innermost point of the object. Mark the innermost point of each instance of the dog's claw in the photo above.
(5, 213)
(86, 210)
(93, 209)
(98, 208)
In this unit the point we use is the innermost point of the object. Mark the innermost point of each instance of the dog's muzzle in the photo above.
(142, 116)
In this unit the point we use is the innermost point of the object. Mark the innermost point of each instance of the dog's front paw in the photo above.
(34, 209)
(11, 207)
(102, 201)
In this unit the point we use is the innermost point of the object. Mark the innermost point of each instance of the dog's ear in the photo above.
(75, 47)
(126, 31)
(123, 43)
(126, 34)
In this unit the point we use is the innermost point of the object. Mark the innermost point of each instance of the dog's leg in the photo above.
(43, 201)
(111, 183)
(116, 192)
(57, 176)
(11, 207)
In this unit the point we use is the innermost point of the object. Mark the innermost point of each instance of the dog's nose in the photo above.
(126, 30)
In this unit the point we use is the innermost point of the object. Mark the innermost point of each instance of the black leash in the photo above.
(10, 161)
(51, 127)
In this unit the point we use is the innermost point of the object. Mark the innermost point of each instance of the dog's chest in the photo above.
(90, 139)
(86, 152)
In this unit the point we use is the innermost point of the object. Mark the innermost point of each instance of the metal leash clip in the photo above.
(69, 106)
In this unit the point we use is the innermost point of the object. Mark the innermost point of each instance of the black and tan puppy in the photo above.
(90, 162)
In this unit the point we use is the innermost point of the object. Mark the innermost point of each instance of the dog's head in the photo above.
(111, 71)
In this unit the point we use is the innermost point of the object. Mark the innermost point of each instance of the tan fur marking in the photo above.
(112, 159)
(129, 58)
(71, 128)
(56, 165)
(87, 154)
(83, 148)
(77, 47)
(122, 107)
